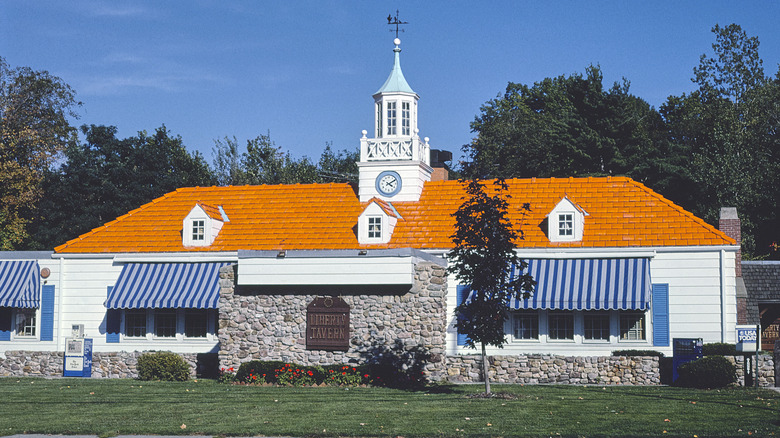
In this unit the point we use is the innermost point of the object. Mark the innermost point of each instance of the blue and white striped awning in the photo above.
(19, 284)
(588, 284)
(166, 286)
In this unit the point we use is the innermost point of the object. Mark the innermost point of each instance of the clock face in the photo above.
(388, 183)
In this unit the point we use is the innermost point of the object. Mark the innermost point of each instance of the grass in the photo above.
(113, 406)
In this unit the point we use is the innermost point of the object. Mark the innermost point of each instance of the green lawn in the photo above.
(112, 406)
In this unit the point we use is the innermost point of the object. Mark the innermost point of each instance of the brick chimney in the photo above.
(438, 159)
(731, 225)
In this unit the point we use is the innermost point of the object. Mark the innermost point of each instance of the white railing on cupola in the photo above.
(387, 149)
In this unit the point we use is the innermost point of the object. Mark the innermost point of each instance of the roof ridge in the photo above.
(681, 210)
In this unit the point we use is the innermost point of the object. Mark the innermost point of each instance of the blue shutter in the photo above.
(113, 322)
(47, 312)
(5, 323)
(661, 315)
(463, 293)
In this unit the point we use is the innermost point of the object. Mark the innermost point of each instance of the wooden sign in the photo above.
(327, 324)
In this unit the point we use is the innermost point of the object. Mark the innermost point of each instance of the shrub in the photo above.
(163, 365)
(707, 372)
(637, 353)
(719, 349)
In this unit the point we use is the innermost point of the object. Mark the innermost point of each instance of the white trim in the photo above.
(231, 256)
(723, 331)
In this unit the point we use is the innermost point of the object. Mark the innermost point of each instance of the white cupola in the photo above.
(395, 163)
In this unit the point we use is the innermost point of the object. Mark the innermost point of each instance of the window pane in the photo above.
(597, 326)
(632, 326)
(565, 224)
(198, 230)
(526, 325)
(391, 117)
(135, 323)
(25, 322)
(405, 118)
(379, 119)
(165, 323)
(196, 323)
(374, 227)
(561, 325)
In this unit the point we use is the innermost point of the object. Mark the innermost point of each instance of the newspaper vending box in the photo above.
(78, 357)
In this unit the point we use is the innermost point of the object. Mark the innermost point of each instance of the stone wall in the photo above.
(530, 369)
(766, 369)
(256, 325)
(108, 365)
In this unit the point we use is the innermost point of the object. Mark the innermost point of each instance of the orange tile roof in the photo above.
(622, 213)
(211, 211)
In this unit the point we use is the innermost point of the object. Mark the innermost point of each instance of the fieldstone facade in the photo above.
(533, 369)
(258, 326)
(104, 365)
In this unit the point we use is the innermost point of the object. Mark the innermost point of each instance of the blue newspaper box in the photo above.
(685, 350)
(78, 357)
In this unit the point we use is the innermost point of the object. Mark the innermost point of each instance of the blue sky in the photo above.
(305, 70)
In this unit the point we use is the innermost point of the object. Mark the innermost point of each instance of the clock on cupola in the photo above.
(395, 163)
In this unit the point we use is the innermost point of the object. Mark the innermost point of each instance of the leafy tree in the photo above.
(483, 257)
(265, 163)
(338, 166)
(34, 128)
(728, 130)
(106, 177)
(566, 126)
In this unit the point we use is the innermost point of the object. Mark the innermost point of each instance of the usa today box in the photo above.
(748, 338)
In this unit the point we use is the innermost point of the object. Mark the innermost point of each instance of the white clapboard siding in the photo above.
(326, 271)
(694, 280)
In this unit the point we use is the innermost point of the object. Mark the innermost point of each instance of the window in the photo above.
(379, 119)
(596, 326)
(25, 322)
(165, 323)
(135, 323)
(405, 118)
(374, 227)
(526, 325)
(565, 224)
(560, 325)
(196, 323)
(632, 326)
(198, 230)
(391, 118)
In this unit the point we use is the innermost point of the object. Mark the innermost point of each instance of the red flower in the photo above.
(343, 374)
(311, 373)
(366, 376)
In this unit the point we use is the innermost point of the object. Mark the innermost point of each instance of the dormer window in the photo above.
(566, 222)
(376, 223)
(375, 227)
(566, 225)
(202, 225)
(198, 230)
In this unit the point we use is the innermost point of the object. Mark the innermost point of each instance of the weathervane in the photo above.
(395, 21)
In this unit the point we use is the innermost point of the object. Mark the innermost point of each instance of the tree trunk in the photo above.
(485, 370)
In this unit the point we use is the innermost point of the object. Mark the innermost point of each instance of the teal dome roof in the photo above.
(396, 81)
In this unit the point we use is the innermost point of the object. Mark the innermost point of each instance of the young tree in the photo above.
(484, 258)
(34, 128)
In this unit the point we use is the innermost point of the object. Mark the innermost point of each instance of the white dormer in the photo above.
(202, 225)
(395, 163)
(566, 222)
(376, 222)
